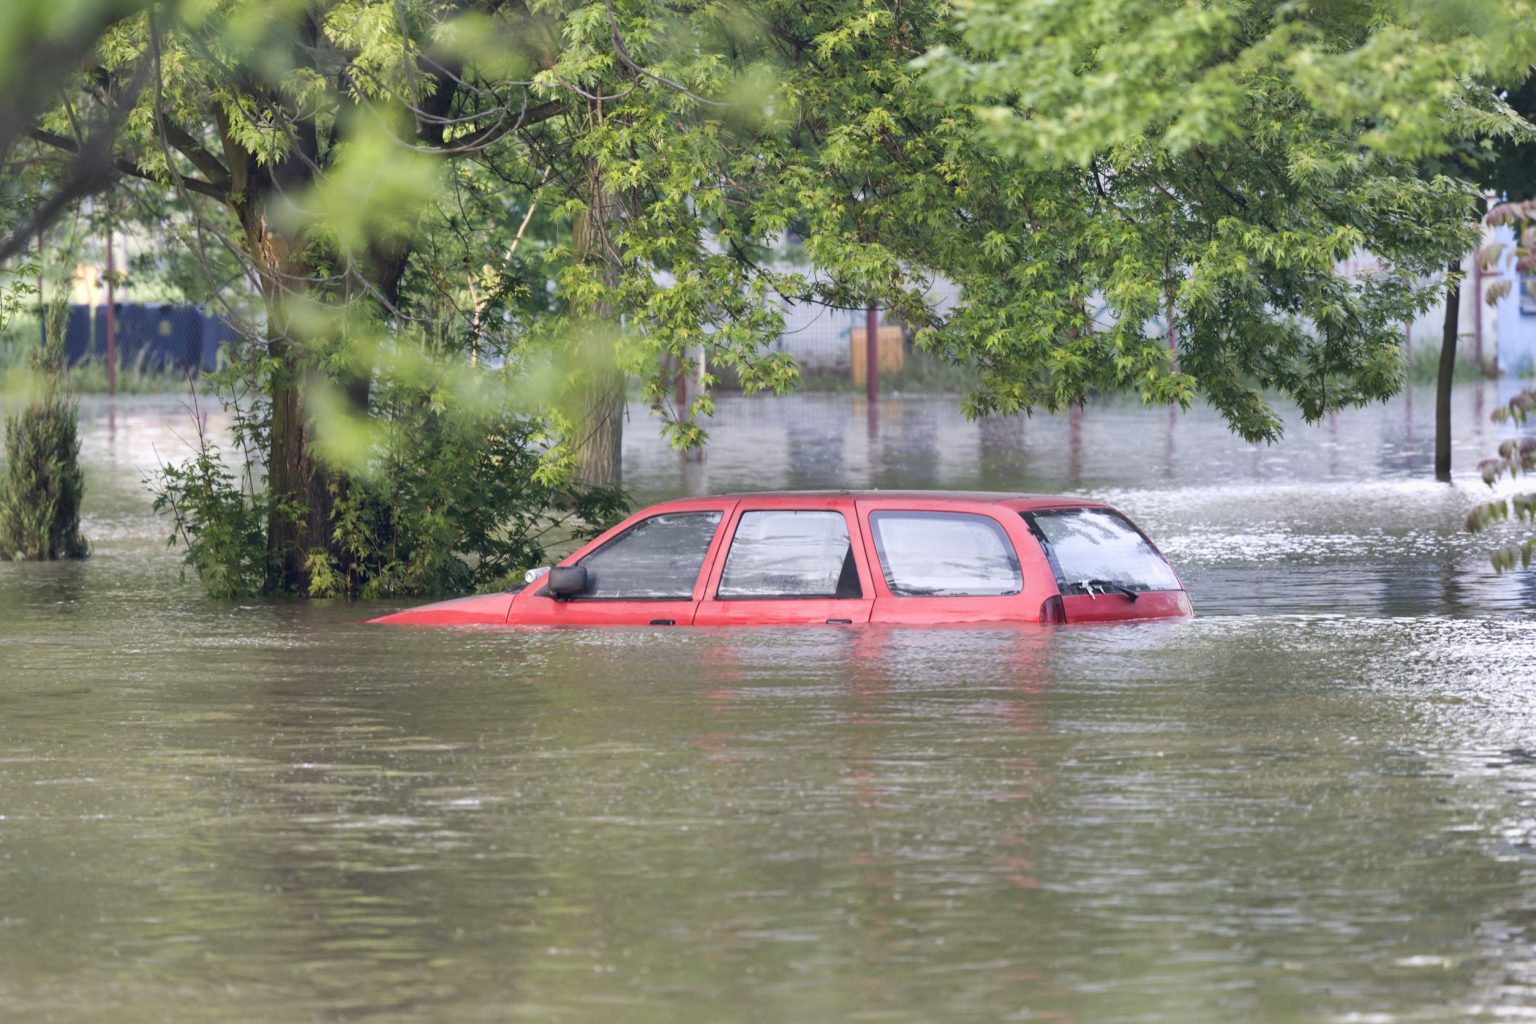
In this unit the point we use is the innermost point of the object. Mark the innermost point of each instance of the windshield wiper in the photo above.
(1105, 587)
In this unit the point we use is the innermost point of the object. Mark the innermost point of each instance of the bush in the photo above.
(41, 491)
(452, 502)
(1423, 364)
(222, 525)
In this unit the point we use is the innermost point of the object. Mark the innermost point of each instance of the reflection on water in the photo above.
(1312, 802)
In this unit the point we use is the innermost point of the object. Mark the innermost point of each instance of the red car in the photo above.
(843, 558)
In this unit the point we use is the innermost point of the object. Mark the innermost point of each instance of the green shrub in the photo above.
(453, 502)
(222, 525)
(41, 491)
(42, 488)
(1423, 364)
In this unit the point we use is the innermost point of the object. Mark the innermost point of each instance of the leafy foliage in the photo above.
(466, 219)
(1516, 456)
(1218, 162)
(455, 503)
(221, 525)
(1520, 217)
(448, 502)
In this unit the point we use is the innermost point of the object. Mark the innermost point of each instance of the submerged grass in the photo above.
(1423, 365)
(921, 372)
(87, 377)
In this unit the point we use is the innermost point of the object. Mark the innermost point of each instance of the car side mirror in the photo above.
(567, 581)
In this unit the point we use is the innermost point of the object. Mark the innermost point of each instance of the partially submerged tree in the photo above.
(453, 207)
(320, 130)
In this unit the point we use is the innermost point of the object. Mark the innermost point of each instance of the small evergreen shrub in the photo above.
(42, 487)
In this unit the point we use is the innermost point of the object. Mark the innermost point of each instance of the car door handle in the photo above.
(839, 622)
(663, 622)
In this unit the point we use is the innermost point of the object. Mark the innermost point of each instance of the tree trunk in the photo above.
(298, 486)
(599, 452)
(599, 402)
(1443, 379)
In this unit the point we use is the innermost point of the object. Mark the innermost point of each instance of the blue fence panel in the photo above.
(157, 338)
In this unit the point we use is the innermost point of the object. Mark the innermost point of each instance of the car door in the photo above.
(648, 573)
(789, 563)
(951, 563)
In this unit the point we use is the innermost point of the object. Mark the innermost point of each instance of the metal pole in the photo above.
(111, 319)
(872, 354)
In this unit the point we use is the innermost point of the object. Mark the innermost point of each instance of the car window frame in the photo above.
(706, 567)
(1048, 549)
(876, 553)
(850, 524)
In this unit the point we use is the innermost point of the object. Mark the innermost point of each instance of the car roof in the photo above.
(1011, 500)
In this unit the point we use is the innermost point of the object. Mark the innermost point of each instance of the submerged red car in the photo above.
(843, 558)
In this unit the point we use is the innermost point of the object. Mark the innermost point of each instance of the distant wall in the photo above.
(819, 337)
(157, 338)
(1515, 313)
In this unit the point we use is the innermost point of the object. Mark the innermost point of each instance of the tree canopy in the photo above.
(486, 209)
(1222, 161)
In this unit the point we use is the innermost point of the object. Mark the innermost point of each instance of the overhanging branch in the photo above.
(127, 167)
(482, 137)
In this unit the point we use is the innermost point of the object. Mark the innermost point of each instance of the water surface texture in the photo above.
(1316, 801)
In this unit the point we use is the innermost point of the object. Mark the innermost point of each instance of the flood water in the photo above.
(1315, 801)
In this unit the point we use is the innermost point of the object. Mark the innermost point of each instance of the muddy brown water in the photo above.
(1316, 801)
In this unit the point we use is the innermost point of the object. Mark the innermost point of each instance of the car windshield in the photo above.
(1094, 549)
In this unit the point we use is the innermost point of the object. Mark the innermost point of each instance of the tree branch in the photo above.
(623, 52)
(96, 152)
(482, 137)
(91, 170)
(211, 166)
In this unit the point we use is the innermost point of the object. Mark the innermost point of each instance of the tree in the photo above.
(326, 132)
(1509, 168)
(439, 198)
(1225, 158)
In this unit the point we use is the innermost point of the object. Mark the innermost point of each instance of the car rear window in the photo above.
(1091, 547)
(948, 554)
(656, 559)
(790, 553)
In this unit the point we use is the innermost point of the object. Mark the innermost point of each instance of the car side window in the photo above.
(657, 559)
(790, 553)
(948, 554)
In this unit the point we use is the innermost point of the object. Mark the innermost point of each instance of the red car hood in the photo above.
(481, 609)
